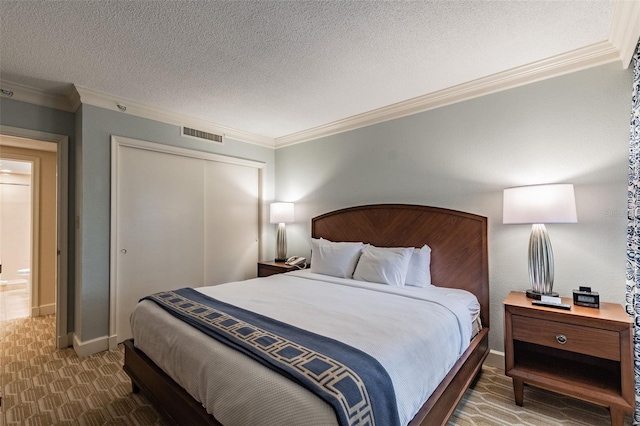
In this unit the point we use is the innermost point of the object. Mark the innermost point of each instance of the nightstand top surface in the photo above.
(274, 263)
(607, 311)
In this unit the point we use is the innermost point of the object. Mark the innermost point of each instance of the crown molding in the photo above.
(625, 29)
(81, 95)
(576, 60)
(74, 98)
(34, 96)
(107, 101)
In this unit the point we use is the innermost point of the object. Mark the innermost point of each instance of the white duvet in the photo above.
(417, 334)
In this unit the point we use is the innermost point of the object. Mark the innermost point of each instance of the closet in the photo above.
(180, 218)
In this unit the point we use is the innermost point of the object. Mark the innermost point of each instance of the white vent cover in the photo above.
(201, 134)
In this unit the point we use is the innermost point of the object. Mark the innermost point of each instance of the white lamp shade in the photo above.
(539, 204)
(281, 213)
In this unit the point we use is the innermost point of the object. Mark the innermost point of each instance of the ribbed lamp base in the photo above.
(281, 243)
(540, 261)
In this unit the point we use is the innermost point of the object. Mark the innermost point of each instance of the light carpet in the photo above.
(44, 386)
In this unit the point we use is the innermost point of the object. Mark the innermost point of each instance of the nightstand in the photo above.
(584, 353)
(267, 268)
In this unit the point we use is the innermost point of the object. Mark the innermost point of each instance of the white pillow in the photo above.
(383, 265)
(419, 272)
(335, 259)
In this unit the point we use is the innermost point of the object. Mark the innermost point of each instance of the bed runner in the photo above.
(354, 383)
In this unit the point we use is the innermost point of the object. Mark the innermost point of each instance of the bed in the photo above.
(459, 260)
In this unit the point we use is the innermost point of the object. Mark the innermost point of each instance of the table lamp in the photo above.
(281, 213)
(538, 205)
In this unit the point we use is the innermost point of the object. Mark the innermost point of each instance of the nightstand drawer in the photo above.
(568, 337)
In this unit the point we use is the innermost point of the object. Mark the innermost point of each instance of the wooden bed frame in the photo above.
(459, 259)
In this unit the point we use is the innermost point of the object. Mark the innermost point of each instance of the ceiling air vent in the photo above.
(200, 134)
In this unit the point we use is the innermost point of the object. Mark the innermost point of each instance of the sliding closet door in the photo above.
(160, 224)
(231, 222)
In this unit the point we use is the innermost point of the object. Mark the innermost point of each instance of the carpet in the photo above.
(41, 385)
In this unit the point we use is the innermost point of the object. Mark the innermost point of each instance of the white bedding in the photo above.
(417, 334)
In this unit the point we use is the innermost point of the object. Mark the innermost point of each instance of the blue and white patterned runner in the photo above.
(355, 384)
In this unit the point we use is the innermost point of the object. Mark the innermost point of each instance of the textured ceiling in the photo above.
(278, 67)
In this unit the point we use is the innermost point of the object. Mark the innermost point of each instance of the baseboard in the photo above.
(90, 347)
(64, 341)
(113, 342)
(43, 310)
(49, 309)
(495, 359)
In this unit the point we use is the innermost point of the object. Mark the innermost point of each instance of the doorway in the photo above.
(16, 204)
(48, 154)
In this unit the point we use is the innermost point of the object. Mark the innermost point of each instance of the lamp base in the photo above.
(537, 295)
(281, 243)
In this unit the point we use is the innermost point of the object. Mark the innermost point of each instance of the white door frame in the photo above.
(120, 141)
(63, 337)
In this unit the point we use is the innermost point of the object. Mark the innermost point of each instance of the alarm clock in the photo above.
(585, 297)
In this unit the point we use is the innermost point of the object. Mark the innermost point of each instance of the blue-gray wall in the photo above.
(572, 129)
(33, 117)
(89, 131)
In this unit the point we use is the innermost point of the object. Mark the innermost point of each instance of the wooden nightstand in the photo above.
(584, 353)
(267, 268)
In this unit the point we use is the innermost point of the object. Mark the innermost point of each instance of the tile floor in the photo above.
(14, 301)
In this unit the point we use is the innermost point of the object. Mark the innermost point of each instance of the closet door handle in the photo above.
(123, 251)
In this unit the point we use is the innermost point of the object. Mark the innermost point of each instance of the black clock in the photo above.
(585, 297)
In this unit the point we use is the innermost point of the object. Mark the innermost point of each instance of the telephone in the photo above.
(298, 261)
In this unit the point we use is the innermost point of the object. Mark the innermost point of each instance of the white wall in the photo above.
(572, 129)
(15, 226)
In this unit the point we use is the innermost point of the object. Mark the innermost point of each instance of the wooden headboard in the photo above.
(458, 240)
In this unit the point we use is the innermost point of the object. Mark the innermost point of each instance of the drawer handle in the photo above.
(561, 338)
